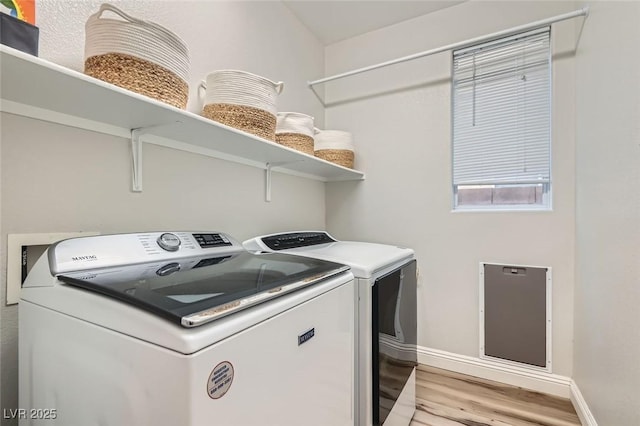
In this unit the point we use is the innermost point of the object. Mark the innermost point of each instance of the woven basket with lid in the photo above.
(137, 55)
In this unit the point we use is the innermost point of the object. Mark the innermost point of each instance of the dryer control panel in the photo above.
(104, 251)
(291, 240)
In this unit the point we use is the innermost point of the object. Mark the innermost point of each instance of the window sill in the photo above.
(503, 209)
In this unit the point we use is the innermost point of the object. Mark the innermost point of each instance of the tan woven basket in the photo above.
(296, 141)
(242, 100)
(248, 119)
(137, 55)
(295, 130)
(335, 146)
(139, 76)
(342, 157)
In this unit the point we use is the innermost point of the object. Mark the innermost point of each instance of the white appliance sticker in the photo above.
(220, 380)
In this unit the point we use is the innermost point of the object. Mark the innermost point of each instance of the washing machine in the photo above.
(184, 328)
(386, 318)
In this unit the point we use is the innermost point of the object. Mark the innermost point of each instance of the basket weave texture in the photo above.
(139, 76)
(296, 141)
(249, 119)
(137, 55)
(342, 157)
(241, 100)
(236, 87)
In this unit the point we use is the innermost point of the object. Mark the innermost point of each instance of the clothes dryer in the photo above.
(386, 315)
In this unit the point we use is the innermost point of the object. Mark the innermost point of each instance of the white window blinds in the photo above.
(502, 110)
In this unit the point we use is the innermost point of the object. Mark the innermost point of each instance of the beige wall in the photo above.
(400, 118)
(56, 179)
(607, 295)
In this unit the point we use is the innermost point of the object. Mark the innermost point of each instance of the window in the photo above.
(502, 123)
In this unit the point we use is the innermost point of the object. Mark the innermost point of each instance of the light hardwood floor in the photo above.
(445, 398)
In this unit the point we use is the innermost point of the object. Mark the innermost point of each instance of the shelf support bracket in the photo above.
(267, 177)
(136, 157)
(136, 152)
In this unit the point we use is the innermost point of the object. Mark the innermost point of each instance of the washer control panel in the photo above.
(102, 251)
(212, 240)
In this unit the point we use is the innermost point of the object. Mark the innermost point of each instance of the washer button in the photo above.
(169, 242)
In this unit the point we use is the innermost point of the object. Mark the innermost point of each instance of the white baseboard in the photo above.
(582, 409)
(539, 381)
(397, 350)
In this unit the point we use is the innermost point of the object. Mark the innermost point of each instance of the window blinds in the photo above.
(502, 111)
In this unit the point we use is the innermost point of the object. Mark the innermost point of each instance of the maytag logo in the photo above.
(306, 336)
(83, 258)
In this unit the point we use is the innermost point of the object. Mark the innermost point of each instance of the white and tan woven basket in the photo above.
(137, 55)
(242, 100)
(295, 130)
(335, 146)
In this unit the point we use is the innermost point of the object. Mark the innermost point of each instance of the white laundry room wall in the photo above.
(400, 117)
(61, 179)
(607, 296)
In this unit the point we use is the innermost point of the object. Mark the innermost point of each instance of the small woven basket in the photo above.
(296, 141)
(342, 157)
(137, 55)
(242, 100)
(335, 146)
(248, 119)
(295, 130)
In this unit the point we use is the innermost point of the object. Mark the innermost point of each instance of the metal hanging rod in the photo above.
(504, 33)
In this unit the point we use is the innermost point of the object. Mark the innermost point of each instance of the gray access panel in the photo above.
(515, 313)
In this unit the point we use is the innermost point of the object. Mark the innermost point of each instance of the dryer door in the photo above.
(394, 337)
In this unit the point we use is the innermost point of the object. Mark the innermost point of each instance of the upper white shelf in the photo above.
(36, 88)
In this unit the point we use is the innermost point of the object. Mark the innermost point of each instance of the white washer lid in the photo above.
(142, 325)
(365, 259)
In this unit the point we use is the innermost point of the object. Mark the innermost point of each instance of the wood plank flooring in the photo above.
(445, 398)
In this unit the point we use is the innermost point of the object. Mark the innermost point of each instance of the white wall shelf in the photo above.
(35, 88)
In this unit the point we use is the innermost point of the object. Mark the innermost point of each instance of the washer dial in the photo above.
(169, 241)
